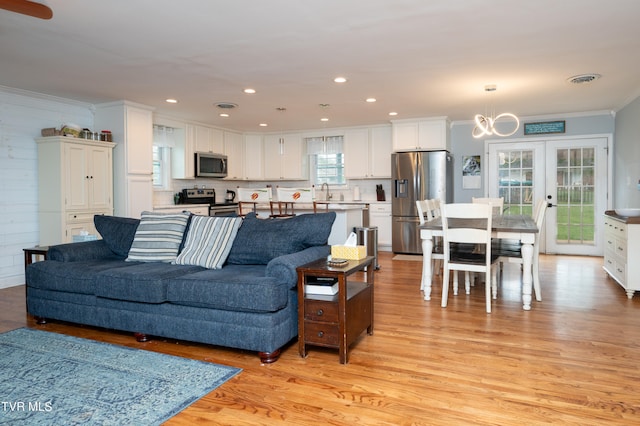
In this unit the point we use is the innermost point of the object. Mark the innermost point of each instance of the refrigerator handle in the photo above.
(402, 188)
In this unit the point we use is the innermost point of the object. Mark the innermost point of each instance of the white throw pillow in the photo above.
(158, 237)
(209, 241)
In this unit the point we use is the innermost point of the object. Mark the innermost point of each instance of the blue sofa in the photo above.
(250, 303)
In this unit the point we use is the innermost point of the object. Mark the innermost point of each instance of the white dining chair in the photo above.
(467, 223)
(427, 211)
(496, 203)
(510, 252)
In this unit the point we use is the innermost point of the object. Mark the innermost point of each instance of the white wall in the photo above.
(22, 116)
(626, 153)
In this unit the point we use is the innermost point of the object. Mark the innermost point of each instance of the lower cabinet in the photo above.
(380, 216)
(622, 247)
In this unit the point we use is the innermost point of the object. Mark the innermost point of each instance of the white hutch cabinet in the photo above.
(75, 182)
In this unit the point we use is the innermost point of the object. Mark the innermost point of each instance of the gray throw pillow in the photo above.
(158, 237)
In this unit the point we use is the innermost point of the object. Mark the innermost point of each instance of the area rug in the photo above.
(52, 379)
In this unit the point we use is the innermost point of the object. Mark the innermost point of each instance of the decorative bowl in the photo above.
(628, 212)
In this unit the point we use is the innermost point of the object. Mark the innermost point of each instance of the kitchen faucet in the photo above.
(328, 195)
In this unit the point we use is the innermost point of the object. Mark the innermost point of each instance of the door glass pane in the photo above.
(515, 171)
(575, 196)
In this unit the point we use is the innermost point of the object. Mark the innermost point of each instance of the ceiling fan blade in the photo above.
(26, 7)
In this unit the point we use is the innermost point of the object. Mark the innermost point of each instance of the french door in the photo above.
(570, 174)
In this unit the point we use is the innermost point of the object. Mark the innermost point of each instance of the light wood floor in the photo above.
(573, 359)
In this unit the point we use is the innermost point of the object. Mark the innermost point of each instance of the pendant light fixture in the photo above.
(485, 124)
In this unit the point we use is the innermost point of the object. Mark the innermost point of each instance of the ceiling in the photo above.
(418, 58)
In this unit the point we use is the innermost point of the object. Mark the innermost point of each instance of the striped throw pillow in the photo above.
(209, 241)
(158, 237)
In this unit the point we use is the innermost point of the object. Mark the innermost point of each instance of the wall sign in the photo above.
(544, 128)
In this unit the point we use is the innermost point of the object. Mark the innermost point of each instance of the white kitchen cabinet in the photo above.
(253, 153)
(75, 182)
(197, 209)
(132, 126)
(206, 139)
(284, 157)
(234, 150)
(380, 216)
(622, 246)
(421, 135)
(367, 153)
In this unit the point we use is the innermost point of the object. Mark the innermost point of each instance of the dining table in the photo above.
(510, 227)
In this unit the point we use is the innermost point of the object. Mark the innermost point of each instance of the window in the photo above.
(163, 140)
(327, 160)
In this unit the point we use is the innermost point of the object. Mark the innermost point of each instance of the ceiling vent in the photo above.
(226, 105)
(583, 78)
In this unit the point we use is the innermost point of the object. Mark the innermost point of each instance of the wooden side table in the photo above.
(29, 254)
(335, 321)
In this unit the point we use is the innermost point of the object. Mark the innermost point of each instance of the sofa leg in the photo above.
(41, 320)
(269, 357)
(141, 337)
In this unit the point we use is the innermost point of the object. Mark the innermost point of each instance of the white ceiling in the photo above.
(421, 58)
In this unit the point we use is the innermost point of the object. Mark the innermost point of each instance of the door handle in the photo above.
(549, 203)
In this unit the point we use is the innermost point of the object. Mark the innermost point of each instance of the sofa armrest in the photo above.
(86, 250)
(284, 267)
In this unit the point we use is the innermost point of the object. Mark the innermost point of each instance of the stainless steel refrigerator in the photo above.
(416, 175)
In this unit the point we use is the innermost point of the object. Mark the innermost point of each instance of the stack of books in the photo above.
(321, 285)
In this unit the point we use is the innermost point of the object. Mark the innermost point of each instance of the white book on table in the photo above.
(321, 285)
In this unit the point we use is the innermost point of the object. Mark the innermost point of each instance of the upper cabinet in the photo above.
(284, 157)
(426, 134)
(206, 139)
(367, 153)
(253, 153)
(234, 150)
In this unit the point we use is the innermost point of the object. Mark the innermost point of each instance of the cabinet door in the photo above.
(380, 216)
(356, 153)
(76, 176)
(253, 153)
(201, 139)
(100, 181)
(380, 152)
(234, 150)
(272, 157)
(405, 136)
(293, 162)
(433, 134)
(139, 196)
(139, 141)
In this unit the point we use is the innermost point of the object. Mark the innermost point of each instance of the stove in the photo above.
(208, 196)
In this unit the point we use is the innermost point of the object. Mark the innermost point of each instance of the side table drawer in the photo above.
(320, 310)
(321, 333)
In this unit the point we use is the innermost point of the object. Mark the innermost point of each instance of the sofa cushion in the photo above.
(140, 282)
(232, 288)
(158, 237)
(117, 232)
(260, 240)
(208, 241)
(71, 277)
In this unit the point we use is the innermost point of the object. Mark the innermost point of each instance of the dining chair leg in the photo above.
(455, 283)
(536, 281)
(445, 287)
(487, 290)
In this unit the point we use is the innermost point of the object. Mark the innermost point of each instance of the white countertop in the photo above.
(178, 206)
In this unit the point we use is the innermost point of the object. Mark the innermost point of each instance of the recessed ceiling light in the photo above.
(393, 113)
(324, 119)
(371, 100)
(171, 101)
(340, 79)
(224, 114)
(263, 124)
(249, 91)
(583, 78)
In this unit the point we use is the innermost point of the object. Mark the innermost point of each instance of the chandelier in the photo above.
(485, 125)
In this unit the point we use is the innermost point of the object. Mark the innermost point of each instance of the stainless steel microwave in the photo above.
(210, 165)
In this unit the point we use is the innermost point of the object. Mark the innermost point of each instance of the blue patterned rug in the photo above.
(52, 379)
